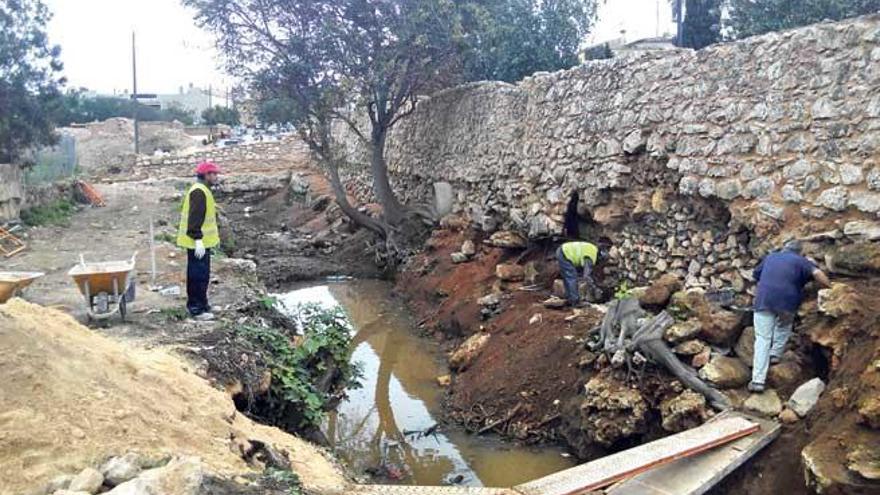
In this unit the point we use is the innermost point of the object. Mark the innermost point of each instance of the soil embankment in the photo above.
(525, 371)
(73, 397)
(56, 377)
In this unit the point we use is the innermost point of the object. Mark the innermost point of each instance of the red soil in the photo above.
(530, 366)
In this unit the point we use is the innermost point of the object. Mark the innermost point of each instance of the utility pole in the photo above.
(134, 93)
(657, 20)
(210, 101)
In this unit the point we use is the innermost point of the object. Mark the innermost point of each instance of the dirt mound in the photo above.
(107, 146)
(72, 398)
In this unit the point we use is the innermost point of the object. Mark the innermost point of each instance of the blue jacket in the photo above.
(781, 278)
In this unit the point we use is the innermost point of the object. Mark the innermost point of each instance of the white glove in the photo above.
(200, 249)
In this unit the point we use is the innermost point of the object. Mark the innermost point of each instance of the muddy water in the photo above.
(374, 426)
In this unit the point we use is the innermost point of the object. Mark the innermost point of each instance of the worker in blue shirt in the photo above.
(781, 277)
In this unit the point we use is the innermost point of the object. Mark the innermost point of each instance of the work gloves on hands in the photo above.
(199, 251)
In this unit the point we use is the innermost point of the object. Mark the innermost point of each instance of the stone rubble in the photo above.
(89, 480)
(806, 396)
(120, 469)
(181, 476)
(468, 351)
(612, 411)
(725, 372)
(766, 403)
(683, 411)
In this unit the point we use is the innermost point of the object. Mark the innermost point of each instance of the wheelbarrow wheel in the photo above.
(122, 308)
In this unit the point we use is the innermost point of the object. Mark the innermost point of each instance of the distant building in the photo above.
(193, 100)
(619, 46)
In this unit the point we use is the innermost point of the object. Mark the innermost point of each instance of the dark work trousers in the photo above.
(198, 276)
(569, 274)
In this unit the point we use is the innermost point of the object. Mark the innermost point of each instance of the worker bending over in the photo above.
(574, 256)
(198, 234)
(781, 277)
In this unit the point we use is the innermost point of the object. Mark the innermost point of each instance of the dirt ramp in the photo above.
(72, 397)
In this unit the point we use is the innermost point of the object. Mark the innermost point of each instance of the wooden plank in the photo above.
(426, 490)
(697, 475)
(622, 465)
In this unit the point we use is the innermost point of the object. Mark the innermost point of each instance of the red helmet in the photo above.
(207, 168)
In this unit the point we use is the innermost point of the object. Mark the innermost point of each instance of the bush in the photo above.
(302, 364)
(57, 213)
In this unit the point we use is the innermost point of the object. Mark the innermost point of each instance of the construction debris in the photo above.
(10, 245)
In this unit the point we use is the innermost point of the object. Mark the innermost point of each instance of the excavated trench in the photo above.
(389, 429)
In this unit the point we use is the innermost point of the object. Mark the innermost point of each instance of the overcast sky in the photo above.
(95, 38)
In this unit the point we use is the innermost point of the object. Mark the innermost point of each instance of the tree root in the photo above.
(620, 338)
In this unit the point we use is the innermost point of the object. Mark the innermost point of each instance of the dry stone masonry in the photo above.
(254, 152)
(774, 129)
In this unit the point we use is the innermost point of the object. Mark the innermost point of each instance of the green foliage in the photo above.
(29, 78)
(276, 111)
(56, 213)
(283, 479)
(297, 369)
(165, 237)
(174, 314)
(220, 115)
(507, 40)
(750, 17)
(701, 25)
(678, 312)
(181, 115)
(623, 291)
(598, 52)
(75, 108)
(268, 302)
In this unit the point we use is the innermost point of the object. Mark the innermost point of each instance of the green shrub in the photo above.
(623, 291)
(166, 237)
(298, 368)
(283, 479)
(174, 314)
(56, 213)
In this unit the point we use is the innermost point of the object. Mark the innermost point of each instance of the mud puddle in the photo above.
(380, 428)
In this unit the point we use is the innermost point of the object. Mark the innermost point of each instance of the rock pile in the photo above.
(131, 474)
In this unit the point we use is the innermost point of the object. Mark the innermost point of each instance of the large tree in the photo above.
(699, 22)
(219, 114)
(510, 39)
(335, 60)
(750, 17)
(29, 78)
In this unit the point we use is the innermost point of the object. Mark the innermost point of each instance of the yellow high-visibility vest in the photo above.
(577, 251)
(210, 234)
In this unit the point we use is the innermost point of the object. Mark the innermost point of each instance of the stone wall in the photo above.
(777, 129)
(185, 162)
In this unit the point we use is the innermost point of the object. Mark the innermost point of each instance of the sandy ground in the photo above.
(114, 232)
(72, 397)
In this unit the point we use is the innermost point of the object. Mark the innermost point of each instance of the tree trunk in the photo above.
(347, 208)
(394, 210)
(649, 340)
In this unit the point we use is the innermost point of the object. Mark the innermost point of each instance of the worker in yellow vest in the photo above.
(575, 256)
(198, 234)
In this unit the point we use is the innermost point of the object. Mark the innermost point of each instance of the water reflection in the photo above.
(378, 427)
